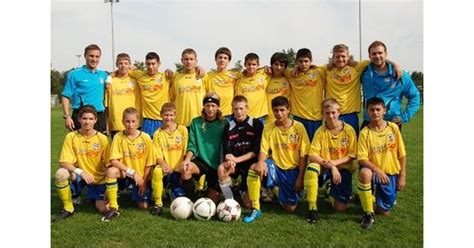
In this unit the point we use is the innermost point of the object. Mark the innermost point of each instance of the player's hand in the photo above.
(167, 169)
(382, 177)
(336, 176)
(142, 189)
(88, 178)
(299, 184)
(268, 70)
(138, 179)
(231, 158)
(200, 72)
(398, 71)
(168, 74)
(401, 183)
(397, 120)
(69, 123)
(295, 72)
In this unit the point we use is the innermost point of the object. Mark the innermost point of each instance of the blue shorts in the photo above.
(174, 181)
(343, 191)
(285, 180)
(385, 194)
(351, 119)
(146, 197)
(310, 126)
(95, 192)
(150, 126)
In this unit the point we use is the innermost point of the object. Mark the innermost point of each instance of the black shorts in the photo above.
(211, 174)
(99, 125)
(242, 169)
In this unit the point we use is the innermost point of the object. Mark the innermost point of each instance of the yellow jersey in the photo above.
(286, 146)
(276, 87)
(222, 83)
(254, 89)
(136, 154)
(88, 153)
(171, 147)
(154, 92)
(187, 93)
(122, 93)
(330, 146)
(383, 148)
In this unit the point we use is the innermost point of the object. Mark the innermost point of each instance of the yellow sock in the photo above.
(157, 186)
(65, 194)
(200, 184)
(253, 184)
(311, 184)
(111, 189)
(365, 195)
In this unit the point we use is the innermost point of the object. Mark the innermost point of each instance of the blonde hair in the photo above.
(329, 103)
(130, 111)
(167, 107)
(340, 48)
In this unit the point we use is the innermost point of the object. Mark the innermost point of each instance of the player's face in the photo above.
(377, 56)
(152, 66)
(281, 113)
(340, 58)
(123, 66)
(92, 58)
(331, 114)
(376, 112)
(87, 121)
(251, 66)
(304, 64)
(189, 61)
(168, 117)
(210, 109)
(278, 68)
(222, 61)
(130, 122)
(240, 110)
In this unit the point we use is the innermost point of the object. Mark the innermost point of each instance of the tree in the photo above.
(417, 77)
(57, 79)
(291, 55)
(238, 65)
(179, 67)
(139, 65)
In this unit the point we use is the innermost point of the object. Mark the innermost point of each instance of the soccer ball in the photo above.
(228, 210)
(181, 208)
(204, 208)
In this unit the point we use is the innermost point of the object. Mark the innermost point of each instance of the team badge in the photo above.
(158, 80)
(140, 146)
(391, 138)
(344, 141)
(95, 146)
(293, 138)
(131, 84)
(346, 71)
(198, 81)
(178, 139)
(387, 80)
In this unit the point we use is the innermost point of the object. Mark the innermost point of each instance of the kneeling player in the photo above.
(288, 141)
(382, 159)
(83, 160)
(131, 157)
(241, 144)
(334, 148)
(170, 142)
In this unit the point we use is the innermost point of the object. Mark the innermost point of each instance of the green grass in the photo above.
(135, 228)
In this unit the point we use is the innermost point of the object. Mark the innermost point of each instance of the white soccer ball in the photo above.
(204, 208)
(181, 208)
(228, 210)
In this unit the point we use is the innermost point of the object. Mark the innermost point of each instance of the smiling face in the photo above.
(169, 117)
(152, 66)
(92, 58)
(251, 66)
(340, 58)
(123, 66)
(378, 56)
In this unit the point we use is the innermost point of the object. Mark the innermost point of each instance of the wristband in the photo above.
(78, 171)
(130, 172)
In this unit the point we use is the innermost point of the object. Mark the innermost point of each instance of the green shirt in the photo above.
(205, 140)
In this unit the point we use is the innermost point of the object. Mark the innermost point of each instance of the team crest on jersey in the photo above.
(158, 80)
(312, 75)
(391, 138)
(140, 146)
(95, 146)
(178, 139)
(344, 141)
(346, 71)
(131, 84)
(293, 137)
(387, 80)
(198, 81)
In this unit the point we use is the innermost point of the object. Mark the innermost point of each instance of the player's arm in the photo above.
(397, 68)
(163, 165)
(300, 180)
(79, 172)
(142, 187)
(403, 173)
(413, 96)
(261, 167)
(68, 122)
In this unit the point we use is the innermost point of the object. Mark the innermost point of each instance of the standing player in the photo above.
(279, 85)
(222, 81)
(121, 93)
(84, 158)
(203, 155)
(252, 85)
(288, 141)
(170, 142)
(85, 86)
(187, 90)
(241, 143)
(382, 159)
(131, 157)
(334, 148)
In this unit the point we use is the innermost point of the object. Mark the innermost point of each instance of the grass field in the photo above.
(135, 228)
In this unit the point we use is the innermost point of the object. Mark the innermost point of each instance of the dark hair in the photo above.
(152, 55)
(251, 56)
(223, 50)
(279, 57)
(166, 107)
(280, 101)
(375, 101)
(376, 44)
(84, 109)
(91, 47)
(304, 53)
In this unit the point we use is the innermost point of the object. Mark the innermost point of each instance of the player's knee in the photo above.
(112, 172)
(365, 175)
(221, 172)
(142, 205)
(62, 175)
(101, 206)
(289, 208)
(340, 207)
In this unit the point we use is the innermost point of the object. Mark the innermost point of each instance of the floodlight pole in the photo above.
(78, 60)
(112, 26)
(360, 32)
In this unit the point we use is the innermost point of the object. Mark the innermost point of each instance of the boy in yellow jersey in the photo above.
(187, 90)
(170, 143)
(84, 158)
(307, 90)
(121, 93)
(333, 147)
(252, 85)
(222, 81)
(154, 90)
(288, 142)
(382, 159)
(131, 158)
(279, 85)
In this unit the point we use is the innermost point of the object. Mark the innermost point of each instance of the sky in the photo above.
(263, 27)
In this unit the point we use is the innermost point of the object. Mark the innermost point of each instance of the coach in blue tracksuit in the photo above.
(378, 80)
